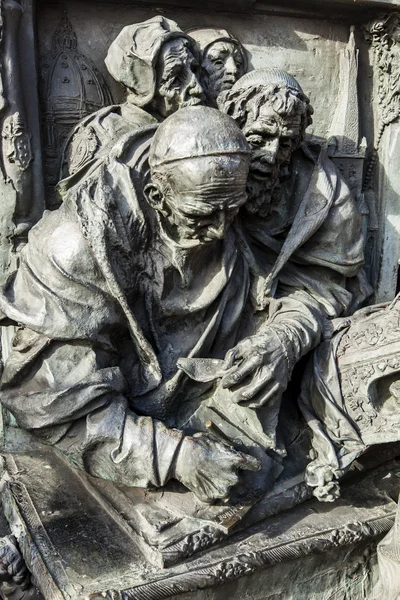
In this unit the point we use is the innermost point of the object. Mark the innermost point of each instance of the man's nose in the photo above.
(231, 67)
(270, 151)
(219, 225)
(194, 87)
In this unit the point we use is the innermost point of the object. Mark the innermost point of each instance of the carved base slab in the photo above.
(78, 546)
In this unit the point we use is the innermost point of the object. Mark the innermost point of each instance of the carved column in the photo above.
(20, 201)
(16, 143)
(21, 177)
(384, 37)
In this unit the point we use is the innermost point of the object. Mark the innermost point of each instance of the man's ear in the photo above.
(154, 196)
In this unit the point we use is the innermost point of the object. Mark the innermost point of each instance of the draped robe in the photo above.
(107, 304)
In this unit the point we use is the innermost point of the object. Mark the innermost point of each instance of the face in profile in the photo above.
(177, 71)
(199, 198)
(222, 65)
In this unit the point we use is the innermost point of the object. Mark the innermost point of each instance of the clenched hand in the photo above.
(210, 468)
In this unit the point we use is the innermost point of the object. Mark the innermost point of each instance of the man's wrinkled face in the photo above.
(178, 85)
(203, 196)
(222, 66)
(272, 138)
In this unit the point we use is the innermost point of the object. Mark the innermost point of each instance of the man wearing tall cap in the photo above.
(113, 289)
(223, 60)
(157, 64)
(302, 237)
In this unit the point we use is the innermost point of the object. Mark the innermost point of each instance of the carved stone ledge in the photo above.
(57, 536)
(289, 5)
(245, 564)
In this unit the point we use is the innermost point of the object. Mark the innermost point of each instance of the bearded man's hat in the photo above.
(267, 77)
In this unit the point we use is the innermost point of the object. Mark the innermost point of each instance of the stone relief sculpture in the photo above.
(383, 36)
(348, 150)
(290, 219)
(14, 575)
(389, 562)
(223, 60)
(71, 89)
(95, 393)
(202, 248)
(274, 113)
(248, 337)
(350, 393)
(16, 151)
(157, 63)
(16, 147)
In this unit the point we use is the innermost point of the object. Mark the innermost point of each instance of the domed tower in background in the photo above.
(71, 88)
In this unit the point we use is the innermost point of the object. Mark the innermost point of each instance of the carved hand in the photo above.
(210, 468)
(257, 369)
(12, 565)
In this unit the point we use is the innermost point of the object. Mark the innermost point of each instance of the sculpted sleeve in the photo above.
(116, 444)
(62, 380)
(329, 264)
(71, 395)
(322, 277)
(297, 319)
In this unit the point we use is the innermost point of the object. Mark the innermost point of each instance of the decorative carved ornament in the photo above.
(384, 37)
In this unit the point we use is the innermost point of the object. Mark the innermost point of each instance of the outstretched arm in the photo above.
(114, 443)
(74, 399)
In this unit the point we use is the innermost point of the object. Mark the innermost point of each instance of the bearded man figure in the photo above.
(273, 112)
(301, 234)
(157, 64)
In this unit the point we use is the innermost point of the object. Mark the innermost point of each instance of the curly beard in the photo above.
(260, 193)
(263, 195)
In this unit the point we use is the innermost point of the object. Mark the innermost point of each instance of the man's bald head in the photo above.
(199, 161)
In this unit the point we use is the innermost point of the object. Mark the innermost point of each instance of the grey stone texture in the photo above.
(193, 360)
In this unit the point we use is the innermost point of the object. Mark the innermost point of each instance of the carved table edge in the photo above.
(54, 583)
(247, 563)
(35, 545)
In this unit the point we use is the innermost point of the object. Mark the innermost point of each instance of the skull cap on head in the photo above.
(194, 132)
(132, 56)
(266, 77)
(206, 37)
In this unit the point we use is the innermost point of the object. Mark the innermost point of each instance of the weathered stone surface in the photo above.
(204, 245)
(76, 544)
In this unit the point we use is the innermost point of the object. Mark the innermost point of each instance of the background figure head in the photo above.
(223, 60)
(199, 162)
(273, 113)
(158, 64)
